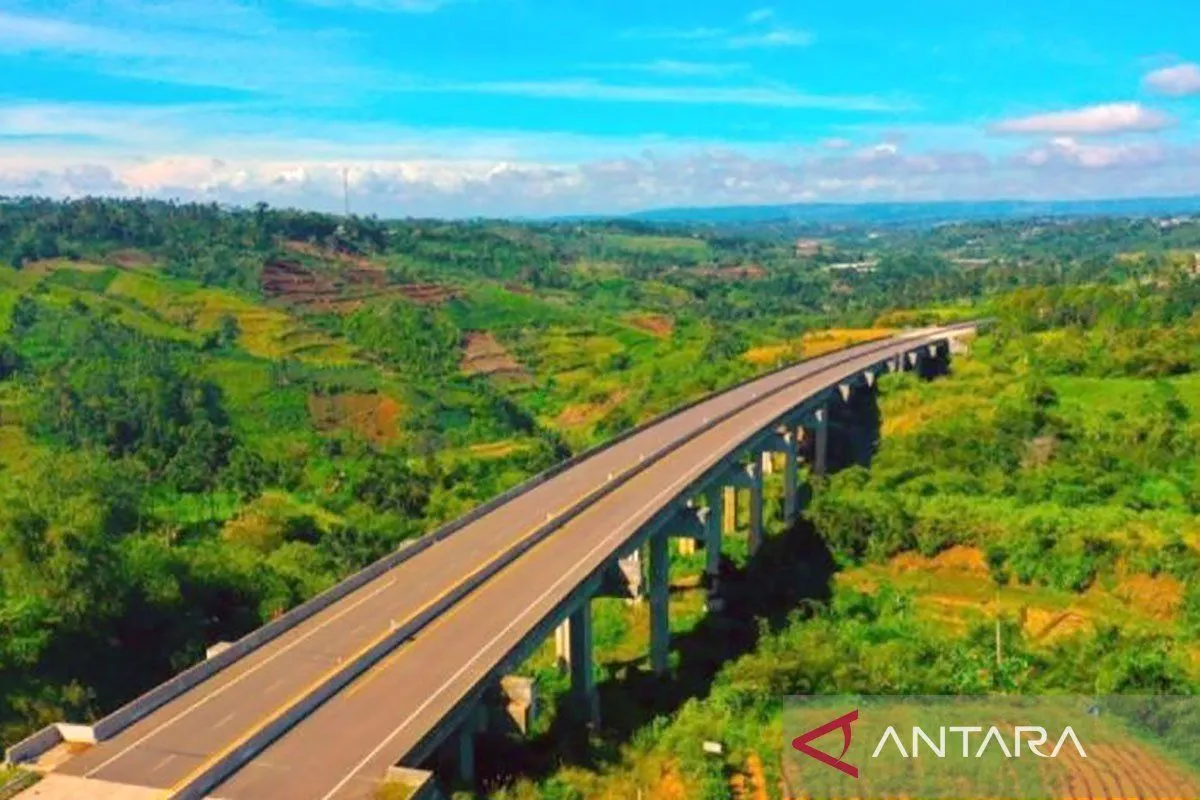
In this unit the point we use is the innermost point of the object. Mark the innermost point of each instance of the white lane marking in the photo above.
(517, 619)
(162, 763)
(225, 719)
(238, 679)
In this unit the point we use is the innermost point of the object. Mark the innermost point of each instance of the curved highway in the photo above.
(343, 747)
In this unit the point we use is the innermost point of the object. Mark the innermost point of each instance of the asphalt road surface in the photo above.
(343, 748)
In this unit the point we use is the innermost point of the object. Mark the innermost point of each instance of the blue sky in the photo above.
(466, 107)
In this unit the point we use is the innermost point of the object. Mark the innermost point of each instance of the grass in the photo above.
(14, 781)
(813, 344)
(270, 415)
(17, 450)
(695, 248)
(131, 315)
(955, 595)
(264, 332)
(487, 307)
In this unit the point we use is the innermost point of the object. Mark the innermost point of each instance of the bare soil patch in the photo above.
(130, 258)
(341, 290)
(1159, 596)
(656, 324)
(327, 254)
(372, 416)
(1046, 625)
(960, 559)
(483, 355)
(1127, 770)
(427, 293)
(741, 273)
(584, 413)
(48, 265)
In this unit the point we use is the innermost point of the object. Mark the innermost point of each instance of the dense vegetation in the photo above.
(1028, 524)
(207, 415)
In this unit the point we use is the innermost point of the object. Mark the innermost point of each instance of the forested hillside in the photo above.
(207, 415)
(1029, 524)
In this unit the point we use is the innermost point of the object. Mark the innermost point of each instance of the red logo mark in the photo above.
(801, 743)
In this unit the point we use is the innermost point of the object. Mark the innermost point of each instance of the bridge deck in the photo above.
(383, 715)
(427, 676)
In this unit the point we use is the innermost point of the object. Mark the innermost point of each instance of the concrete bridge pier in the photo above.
(729, 508)
(466, 755)
(749, 477)
(660, 621)
(580, 652)
(689, 528)
(784, 441)
(517, 701)
(814, 439)
(754, 472)
(464, 745)
(623, 579)
(714, 524)
(562, 645)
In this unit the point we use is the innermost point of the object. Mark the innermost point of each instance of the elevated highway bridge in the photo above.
(392, 664)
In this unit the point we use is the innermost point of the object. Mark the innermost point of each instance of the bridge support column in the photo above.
(689, 526)
(784, 441)
(756, 506)
(629, 571)
(712, 547)
(464, 756)
(790, 479)
(750, 477)
(821, 443)
(660, 623)
(729, 510)
(562, 645)
(583, 680)
(518, 694)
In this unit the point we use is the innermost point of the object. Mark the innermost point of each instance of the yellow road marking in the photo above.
(273, 715)
(363, 681)
(281, 709)
(247, 673)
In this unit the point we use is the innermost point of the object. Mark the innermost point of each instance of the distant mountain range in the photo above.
(921, 213)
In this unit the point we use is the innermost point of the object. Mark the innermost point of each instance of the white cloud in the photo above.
(21, 33)
(836, 143)
(720, 37)
(221, 44)
(1090, 121)
(401, 6)
(776, 97)
(780, 37)
(1065, 150)
(682, 34)
(446, 175)
(760, 15)
(666, 66)
(1177, 81)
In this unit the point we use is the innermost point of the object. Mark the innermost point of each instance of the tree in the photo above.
(24, 315)
(10, 360)
(228, 331)
(389, 482)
